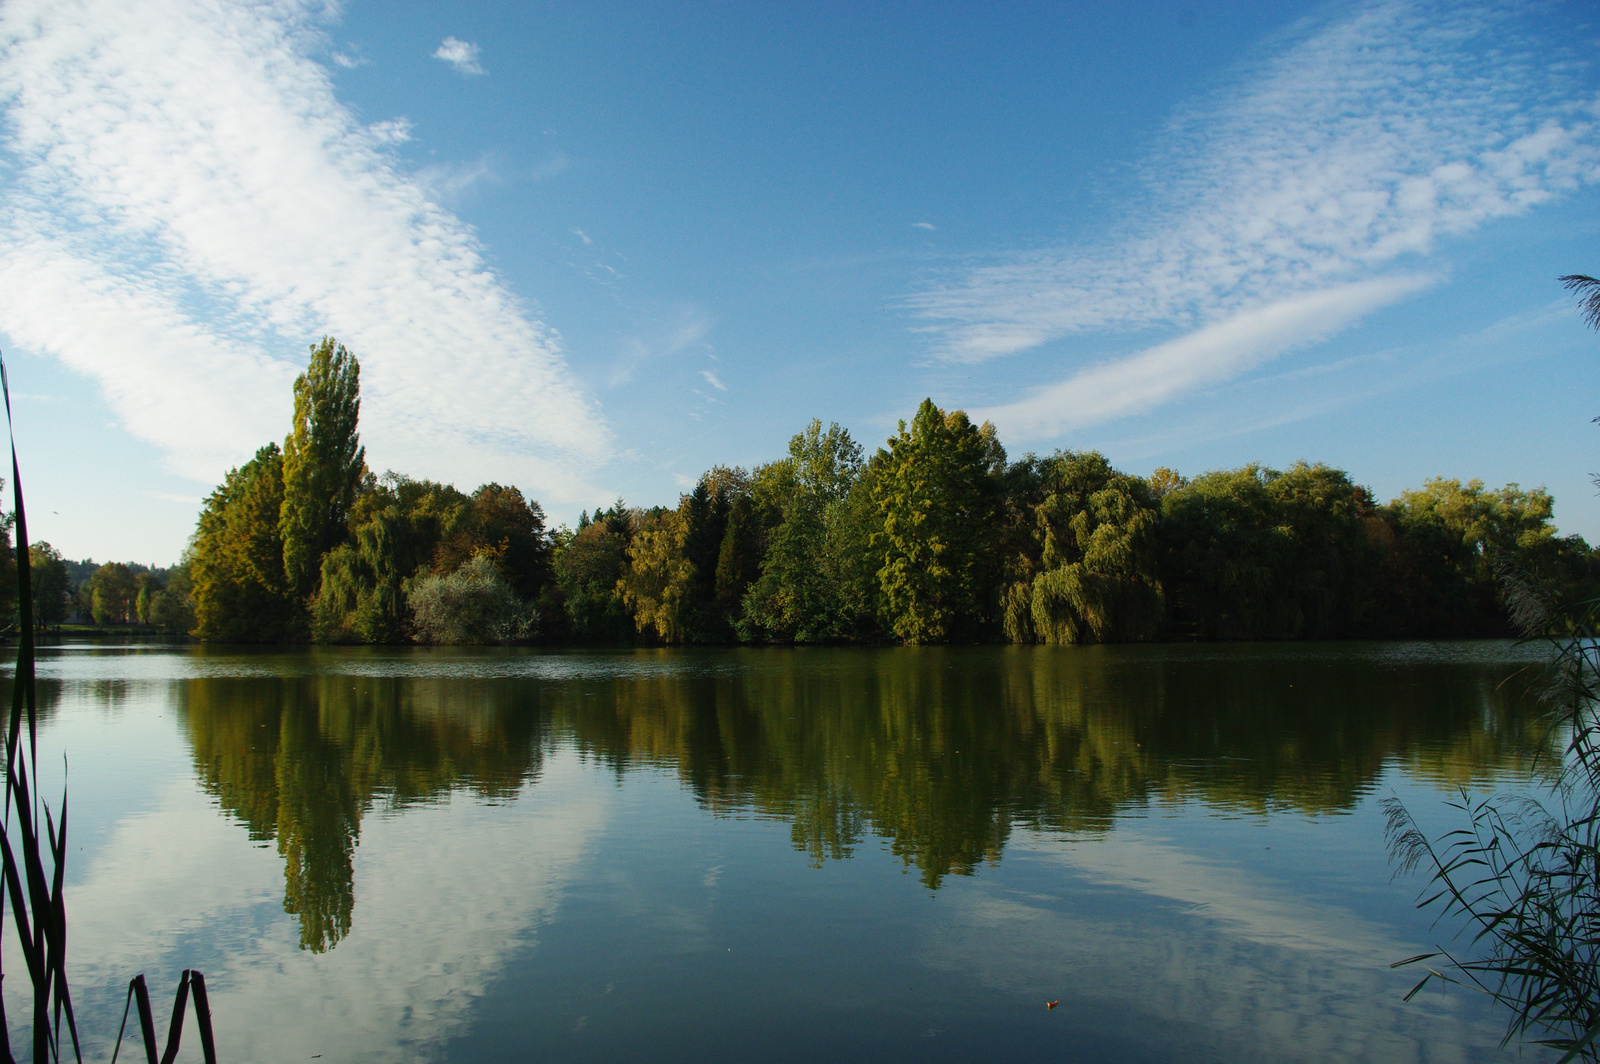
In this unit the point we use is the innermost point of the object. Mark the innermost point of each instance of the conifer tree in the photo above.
(938, 504)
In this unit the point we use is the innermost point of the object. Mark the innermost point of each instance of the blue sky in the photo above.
(594, 250)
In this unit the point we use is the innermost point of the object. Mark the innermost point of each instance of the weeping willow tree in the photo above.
(1095, 578)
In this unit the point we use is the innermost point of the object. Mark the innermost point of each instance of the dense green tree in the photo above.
(1225, 553)
(147, 586)
(113, 594)
(1094, 560)
(1444, 543)
(1333, 550)
(1256, 553)
(499, 522)
(657, 584)
(236, 560)
(938, 502)
(739, 557)
(396, 528)
(172, 608)
(323, 464)
(688, 568)
(589, 565)
(52, 589)
(803, 592)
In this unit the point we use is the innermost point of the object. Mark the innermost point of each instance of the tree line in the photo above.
(937, 537)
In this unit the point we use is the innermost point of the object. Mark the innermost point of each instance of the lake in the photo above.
(411, 854)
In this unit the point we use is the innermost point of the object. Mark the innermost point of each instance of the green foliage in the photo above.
(805, 591)
(397, 527)
(938, 503)
(236, 561)
(1443, 544)
(323, 463)
(51, 587)
(688, 569)
(657, 583)
(1255, 553)
(498, 521)
(172, 608)
(589, 566)
(113, 593)
(473, 605)
(1094, 555)
(936, 539)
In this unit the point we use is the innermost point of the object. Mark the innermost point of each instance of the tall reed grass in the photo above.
(1523, 874)
(33, 857)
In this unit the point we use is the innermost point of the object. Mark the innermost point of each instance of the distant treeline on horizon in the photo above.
(937, 537)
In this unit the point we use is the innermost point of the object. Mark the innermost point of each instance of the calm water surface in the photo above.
(409, 854)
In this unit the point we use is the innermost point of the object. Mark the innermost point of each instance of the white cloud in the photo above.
(711, 379)
(459, 54)
(686, 327)
(189, 206)
(555, 165)
(1350, 150)
(397, 983)
(923, 225)
(1204, 357)
(449, 181)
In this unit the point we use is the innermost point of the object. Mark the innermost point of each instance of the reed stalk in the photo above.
(33, 856)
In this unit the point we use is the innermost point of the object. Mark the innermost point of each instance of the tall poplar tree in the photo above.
(323, 463)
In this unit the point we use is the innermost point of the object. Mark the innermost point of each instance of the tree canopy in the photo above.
(939, 537)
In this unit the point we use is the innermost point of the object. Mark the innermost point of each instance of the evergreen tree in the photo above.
(938, 504)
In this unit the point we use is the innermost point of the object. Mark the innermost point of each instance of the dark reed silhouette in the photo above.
(33, 849)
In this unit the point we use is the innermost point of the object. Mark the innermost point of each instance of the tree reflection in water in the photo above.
(938, 751)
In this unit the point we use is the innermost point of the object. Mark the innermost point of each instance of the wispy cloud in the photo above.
(1207, 356)
(1350, 150)
(555, 165)
(923, 225)
(450, 181)
(459, 54)
(188, 206)
(687, 327)
(711, 379)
